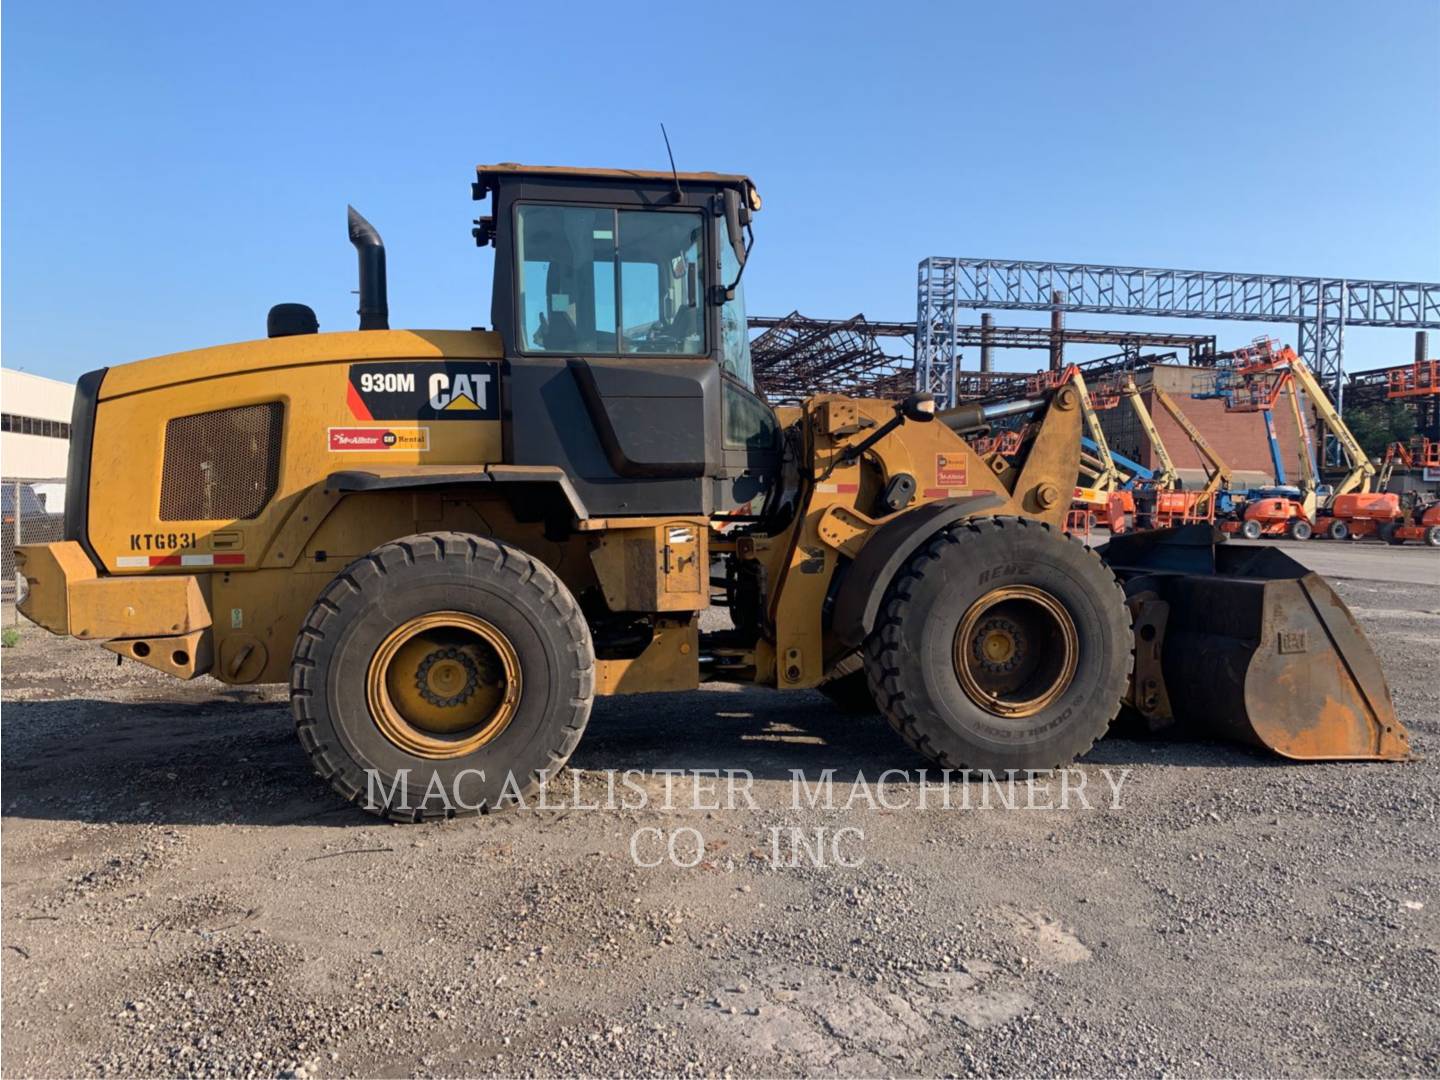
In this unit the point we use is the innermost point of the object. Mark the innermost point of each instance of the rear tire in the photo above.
(400, 637)
(1299, 529)
(1432, 536)
(1000, 645)
(1337, 530)
(1251, 530)
(1386, 531)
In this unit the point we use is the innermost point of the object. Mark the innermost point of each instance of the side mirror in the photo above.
(733, 225)
(918, 407)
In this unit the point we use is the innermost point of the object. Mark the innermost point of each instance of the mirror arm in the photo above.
(749, 245)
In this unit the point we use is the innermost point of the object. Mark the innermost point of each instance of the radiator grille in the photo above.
(222, 465)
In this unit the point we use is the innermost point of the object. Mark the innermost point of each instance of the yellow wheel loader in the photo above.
(449, 542)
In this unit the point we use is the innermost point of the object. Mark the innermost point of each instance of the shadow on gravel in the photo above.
(198, 763)
(770, 733)
(238, 762)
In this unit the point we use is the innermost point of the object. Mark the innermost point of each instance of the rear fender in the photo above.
(532, 477)
(538, 490)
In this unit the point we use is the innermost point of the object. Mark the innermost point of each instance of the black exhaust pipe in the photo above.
(374, 308)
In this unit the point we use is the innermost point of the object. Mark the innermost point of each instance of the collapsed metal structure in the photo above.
(797, 355)
(1321, 308)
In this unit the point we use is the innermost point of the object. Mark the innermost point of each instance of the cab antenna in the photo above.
(678, 196)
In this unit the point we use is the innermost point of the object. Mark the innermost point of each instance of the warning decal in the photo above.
(369, 439)
(230, 558)
(950, 470)
(413, 390)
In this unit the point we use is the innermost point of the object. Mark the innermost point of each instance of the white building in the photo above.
(35, 431)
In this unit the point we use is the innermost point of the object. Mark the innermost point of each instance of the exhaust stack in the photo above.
(374, 310)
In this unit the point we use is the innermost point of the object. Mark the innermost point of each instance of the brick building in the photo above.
(1238, 437)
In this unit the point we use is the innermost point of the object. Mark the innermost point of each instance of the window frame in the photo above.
(707, 347)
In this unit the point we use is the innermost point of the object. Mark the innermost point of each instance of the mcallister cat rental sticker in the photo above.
(369, 439)
(414, 390)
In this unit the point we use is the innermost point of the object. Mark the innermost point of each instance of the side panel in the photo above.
(337, 415)
(651, 427)
(652, 418)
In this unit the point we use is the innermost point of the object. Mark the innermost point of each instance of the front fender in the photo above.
(858, 602)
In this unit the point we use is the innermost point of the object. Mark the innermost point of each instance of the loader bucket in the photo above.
(1258, 648)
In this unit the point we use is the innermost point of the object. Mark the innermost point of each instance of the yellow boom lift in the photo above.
(1216, 470)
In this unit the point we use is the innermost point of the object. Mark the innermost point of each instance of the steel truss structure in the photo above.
(1321, 308)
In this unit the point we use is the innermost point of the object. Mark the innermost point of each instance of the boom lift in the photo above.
(1217, 472)
(1273, 512)
(1269, 362)
(1262, 375)
(1307, 458)
(448, 543)
(1421, 453)
(1165, 476)
(1163, 503)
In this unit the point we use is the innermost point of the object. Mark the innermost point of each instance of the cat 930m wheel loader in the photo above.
(448, 542)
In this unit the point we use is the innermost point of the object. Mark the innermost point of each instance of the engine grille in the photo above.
(222, 465)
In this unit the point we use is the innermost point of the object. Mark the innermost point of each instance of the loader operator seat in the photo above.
(680, 331)
(557, 332)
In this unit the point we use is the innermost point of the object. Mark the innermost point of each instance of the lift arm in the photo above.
(1309, 472)
(1362, 471)
(1123, 464)
(1275, 459)
(1219, 472)
(1165, 475)
(1108, 477)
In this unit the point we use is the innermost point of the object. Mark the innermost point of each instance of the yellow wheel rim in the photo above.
(443, 685)
(1016, 651)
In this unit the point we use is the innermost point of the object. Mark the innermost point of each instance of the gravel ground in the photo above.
(182, 897)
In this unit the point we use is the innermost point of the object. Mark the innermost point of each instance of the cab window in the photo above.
(734, 330)
(602, 281)
(750, 424)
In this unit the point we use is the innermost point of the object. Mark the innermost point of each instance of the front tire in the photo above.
(1337, 530)
(1299, 529)
(441, 674)
(1251, 530)
(1001, 645)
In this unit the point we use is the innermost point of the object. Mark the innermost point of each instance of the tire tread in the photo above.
(882, 647)
(529, 573)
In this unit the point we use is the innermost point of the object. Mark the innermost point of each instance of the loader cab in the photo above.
(619, 302)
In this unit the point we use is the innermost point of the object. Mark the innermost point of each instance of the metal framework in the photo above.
(1321, 308)
(1103, 372)
(1415, 386)
(798, 355)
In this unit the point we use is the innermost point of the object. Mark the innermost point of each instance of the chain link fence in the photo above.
(34, 513)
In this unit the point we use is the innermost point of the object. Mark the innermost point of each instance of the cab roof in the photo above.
(560, 172)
